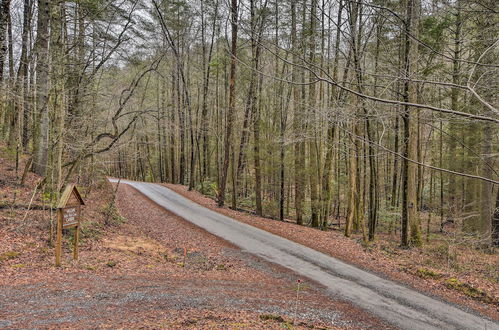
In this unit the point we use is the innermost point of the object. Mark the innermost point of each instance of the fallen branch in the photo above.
(29, 205)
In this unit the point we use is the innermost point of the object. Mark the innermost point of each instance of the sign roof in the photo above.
(70, 190)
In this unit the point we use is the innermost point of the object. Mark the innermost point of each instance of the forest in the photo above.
(373, 117)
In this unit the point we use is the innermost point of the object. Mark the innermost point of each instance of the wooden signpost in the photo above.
(68, 215)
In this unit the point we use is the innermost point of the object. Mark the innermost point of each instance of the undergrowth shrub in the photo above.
(112, 215)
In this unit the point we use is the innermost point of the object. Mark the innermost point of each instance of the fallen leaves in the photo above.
(383, 256)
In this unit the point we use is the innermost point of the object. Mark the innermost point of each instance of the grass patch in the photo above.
(111, 263)
(389, 250)
(491, 273)
(18, 266)
(368, 246)
(112, 215)
(272, 317)
(468, 290)
(9, 255)
(428, 273)
(8, 153)
(89, 230)
(189, 322)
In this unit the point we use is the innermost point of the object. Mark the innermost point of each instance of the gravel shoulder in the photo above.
(156, 270)
(387, 263)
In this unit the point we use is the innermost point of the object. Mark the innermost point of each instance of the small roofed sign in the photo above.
(68, 215)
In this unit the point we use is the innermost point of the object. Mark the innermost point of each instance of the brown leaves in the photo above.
(383, 256)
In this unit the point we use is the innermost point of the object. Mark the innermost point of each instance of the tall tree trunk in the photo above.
(181, 127)
(4, 23)
(256, 151)
(206, 84)
(23, 73)
(159, 129)
(40, 152)
(454, 127)
(352, 182)
(299, 148)
(257, 26)
(16, 108)
(411, 234)
(395, 182)
(489, 132)
(251, 103)
(173, 149)
(4, 19)
(495, 222)
(327, 176)
(232, 104)
(486, 199)
(312, 145)
(355, 208)
(57, 21)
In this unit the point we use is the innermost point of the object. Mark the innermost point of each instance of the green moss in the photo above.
(208, 188)
(272, 317)
(189, 322)
(416, 239)
(221, 267)
(18, 266)
(111, 263)
(428, 273)
(468, 290)
(9, 255)
(492, 274)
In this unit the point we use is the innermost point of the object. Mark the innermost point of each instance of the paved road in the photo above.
(401, 306)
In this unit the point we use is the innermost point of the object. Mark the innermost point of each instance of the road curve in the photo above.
(397, 304)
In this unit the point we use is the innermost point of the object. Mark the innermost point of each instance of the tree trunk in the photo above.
(40, 152)
(312, 145)
(4, 19)
(411, 234)
(232, 104)
(455, 127)
(327, 176)
(299, 148)
(23, 74)
(256, 155)
(495, 222)
(352, 182)
(57, 20)
(206, 84)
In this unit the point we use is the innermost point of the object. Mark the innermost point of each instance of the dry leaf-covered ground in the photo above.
(144, 268)
(141, 266)
(424, 269)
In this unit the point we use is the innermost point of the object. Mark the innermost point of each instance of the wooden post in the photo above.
(58, 244)
(77, 234)
(75, 243)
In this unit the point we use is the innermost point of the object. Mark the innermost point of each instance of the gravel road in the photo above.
(397, 304)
